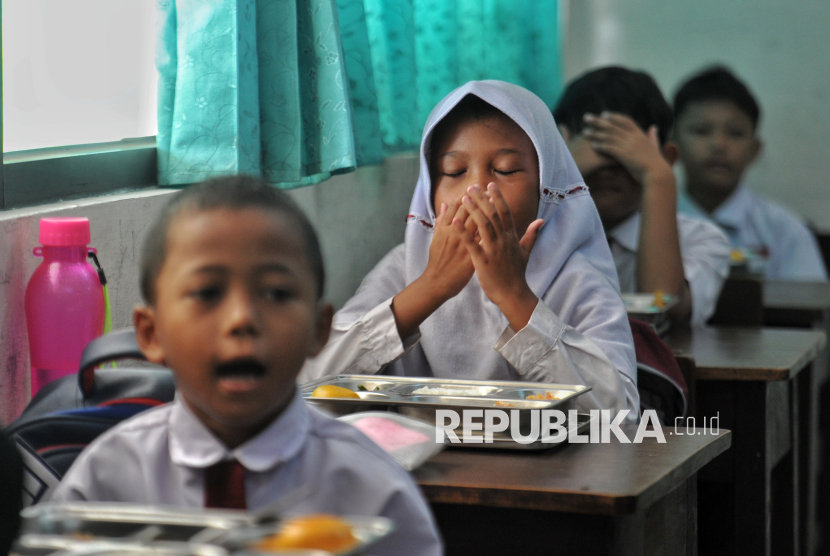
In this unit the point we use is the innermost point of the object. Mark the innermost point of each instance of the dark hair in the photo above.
(717, 83)
(616, 89)
(231, 192)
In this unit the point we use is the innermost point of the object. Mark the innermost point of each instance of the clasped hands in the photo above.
(476, 233)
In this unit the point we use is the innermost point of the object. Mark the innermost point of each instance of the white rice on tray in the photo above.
(445, 391)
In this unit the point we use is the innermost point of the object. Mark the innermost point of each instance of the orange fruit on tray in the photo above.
(319, 531)
(332, 391)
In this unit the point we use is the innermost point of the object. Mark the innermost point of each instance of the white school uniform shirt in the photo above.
(751, 221)
(159, 457)
(704, 250)
(545, 350)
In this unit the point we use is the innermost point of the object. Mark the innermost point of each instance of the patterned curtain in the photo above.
(403, 56)
(297, 90)
(254, 86)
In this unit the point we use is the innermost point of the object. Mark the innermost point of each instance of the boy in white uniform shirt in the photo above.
(616, 124)
(232, 277)
(717, 118)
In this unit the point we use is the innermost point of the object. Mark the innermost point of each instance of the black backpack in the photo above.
(69, 413)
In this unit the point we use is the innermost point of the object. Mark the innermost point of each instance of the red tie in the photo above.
(225, 485)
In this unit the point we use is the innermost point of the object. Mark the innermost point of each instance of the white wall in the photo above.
(359, 216)
(778, 47)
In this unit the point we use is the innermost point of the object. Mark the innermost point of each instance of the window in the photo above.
(78, 79)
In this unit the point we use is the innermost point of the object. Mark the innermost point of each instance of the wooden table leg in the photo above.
(786, 465)
(691, 517)
(822, 538)
(812, 459)
(804, 448)
(752, 494)
(757, 479)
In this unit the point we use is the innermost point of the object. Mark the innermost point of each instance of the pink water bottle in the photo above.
(64, 300)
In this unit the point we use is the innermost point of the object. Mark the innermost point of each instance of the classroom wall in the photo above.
(360, 216)
(778, 47)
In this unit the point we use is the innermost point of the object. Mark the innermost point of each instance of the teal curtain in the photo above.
(254, 86)
(297, 90)
(405, 55)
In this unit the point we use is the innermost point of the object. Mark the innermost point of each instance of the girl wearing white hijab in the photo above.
(464, 296)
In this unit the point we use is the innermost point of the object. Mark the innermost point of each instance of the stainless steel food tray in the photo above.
(40, 545)
(394, 391)
(63, 526)
(401, 395)
(43, 545)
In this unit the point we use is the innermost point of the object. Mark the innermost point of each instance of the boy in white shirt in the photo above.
(616, 123)
(717, 118)
(232, 277)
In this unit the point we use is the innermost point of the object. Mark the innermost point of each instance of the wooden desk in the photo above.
(807, 305)
(799, 303)
(751, 378)
(733, 353)
(578, 499)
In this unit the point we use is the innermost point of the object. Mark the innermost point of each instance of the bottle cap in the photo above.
(64, 231)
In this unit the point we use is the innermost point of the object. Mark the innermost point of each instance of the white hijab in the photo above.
(458, 339)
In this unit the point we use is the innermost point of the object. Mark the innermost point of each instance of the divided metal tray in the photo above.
(126, 529)
(416, 397)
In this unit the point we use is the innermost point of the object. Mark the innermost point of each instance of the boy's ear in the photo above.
(325, 315)
(757, 147)
(670, 152)
(565, 132)
(144, 321)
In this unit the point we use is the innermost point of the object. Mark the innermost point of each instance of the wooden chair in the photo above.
(741, 302)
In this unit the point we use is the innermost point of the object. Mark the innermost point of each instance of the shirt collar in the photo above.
(687, 205)
(627, 232)
(729, 214)
(193, 445)
(731, 211)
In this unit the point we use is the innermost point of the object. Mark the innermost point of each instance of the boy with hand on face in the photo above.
(616, 124)
(717, 118)
(232, 278)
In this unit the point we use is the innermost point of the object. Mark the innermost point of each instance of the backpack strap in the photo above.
(115, 345)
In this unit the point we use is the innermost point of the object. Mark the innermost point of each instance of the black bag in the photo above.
(69, 413)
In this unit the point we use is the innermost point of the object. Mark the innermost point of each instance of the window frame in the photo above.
(62, 173)
(53, 174)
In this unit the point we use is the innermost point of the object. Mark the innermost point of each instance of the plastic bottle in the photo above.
(64, 300)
